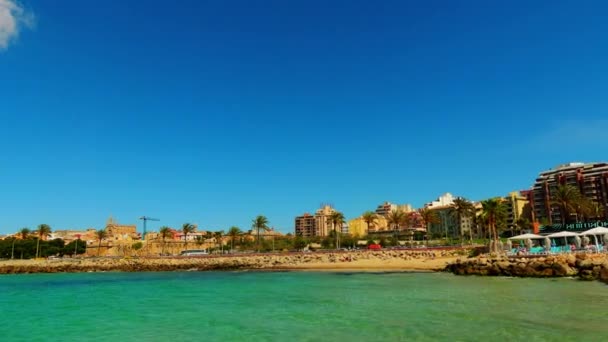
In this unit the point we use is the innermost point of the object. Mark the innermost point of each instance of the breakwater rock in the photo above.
(371, 259)
(584, 266)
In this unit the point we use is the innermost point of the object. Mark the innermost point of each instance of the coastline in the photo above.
(583, 266)
(355, 261)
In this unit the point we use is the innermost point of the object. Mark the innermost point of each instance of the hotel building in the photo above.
(591, 179)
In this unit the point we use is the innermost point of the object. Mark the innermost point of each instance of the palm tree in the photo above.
(428, 217)
(233, 232)
(395, 218)
(493, 210)
(566, 198)
(24, 232)
(260, 223)
(463, 209)
(218, 239)
(370, 218)
(187, 228)
(336, 219)
(164, 232)
(101, 234)
(43, 230)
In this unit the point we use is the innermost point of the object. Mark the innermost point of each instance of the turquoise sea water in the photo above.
(298, 306)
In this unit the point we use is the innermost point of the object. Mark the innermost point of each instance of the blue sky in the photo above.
(213, 112)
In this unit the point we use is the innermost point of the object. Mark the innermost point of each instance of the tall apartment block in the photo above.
(591, 179)
(308, 225)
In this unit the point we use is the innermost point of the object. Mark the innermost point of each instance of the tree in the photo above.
(259, 223)
(24, 232)
(101, 234)
(395, 218)
(463, 209)
(233, 232)
(187, 228)
(493, 211)
(522, 224)
(218, 239)
(299, 243)
(428, 217)
(336, 219)
(164, 233)
(566, 198)
(43, 230)
(370, 218)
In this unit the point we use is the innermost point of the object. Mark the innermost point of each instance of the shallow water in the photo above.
(299, 306)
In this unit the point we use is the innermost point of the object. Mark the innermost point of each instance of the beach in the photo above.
(390, 260)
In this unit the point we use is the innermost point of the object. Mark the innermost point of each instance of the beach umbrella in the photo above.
(547, 243)
(525, 236)
(563, 234)
(528, 244)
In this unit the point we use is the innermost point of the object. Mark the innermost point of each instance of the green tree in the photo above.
(299, 243)
(428, 217)
(101, 234)
(25, 233)
(522, 224)
(336, 219)
(259, 223)
(43, 231)
(463, 209)
(75, 247)
(187, 228)
(370, 218)
(164, 233)
(218, 239)
(566, 198)
(493, 210)
(233, 232)
(395, 219)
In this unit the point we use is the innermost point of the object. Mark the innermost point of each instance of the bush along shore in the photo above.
(583, 266)
(390, 259)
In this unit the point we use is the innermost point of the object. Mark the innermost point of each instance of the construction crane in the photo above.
(146, 219)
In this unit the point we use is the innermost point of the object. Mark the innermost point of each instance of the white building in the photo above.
(444, 200)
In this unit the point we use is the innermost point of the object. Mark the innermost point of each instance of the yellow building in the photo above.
(358, 226)
(517, 207)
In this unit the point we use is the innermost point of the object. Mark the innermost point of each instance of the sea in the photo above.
(299, 306)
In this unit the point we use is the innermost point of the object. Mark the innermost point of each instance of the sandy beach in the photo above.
(375, 261)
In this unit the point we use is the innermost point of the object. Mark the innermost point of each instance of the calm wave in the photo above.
(299, 306)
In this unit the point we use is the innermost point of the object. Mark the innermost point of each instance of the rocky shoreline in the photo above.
(583, 266)
(356, 260)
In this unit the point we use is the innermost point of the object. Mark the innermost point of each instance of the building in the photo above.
(591, 179)
(322, 224)
(68, 235)
(385, 208)
(317, 225)
(357, 227)
(517, 206)
(444, 200)
(119, 232)
(305, 225)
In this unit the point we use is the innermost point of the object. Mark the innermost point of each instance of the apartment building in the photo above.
(308, 225)
(590, 178)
